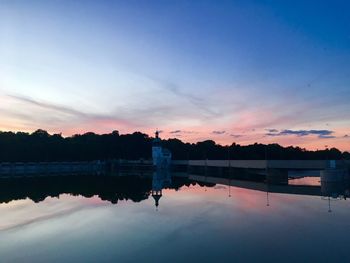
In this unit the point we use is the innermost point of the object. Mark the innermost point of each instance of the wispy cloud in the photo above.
(323, 134)
(48, 106)
(218, 132)
(176, 131)
(236, 135)
(45, 114)
(272, 130)
(202, 104)
(183, 132)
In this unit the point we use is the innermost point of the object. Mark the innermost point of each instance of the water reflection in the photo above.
(308, 186)
(85, 225)
(338, 189)
(160, 180)
(139, 187)
(108, 188)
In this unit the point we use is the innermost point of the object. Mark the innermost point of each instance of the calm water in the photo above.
(197, 220)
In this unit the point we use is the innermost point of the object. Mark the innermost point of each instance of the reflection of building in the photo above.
(335, 190)
(335, 183)
(160, 180)
(161, 156)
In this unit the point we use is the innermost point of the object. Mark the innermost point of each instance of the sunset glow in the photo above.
(236, 72)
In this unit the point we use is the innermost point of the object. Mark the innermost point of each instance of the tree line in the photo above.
(40, 146)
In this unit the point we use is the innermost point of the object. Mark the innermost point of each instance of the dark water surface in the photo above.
(197, 220)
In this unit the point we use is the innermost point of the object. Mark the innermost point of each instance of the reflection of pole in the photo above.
(267, 198)
(229, 187)
(329, 204)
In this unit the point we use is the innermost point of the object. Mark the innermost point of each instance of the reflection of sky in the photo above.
(195, 223)
(238, 68)
(305, 181)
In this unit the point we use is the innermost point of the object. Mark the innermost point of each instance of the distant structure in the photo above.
(161, 156)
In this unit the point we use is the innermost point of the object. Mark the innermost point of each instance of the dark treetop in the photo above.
(41, 146)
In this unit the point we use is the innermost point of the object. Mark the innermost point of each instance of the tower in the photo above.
(156, 150)
(161, 156)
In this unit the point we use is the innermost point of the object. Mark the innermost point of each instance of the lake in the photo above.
(198, 219)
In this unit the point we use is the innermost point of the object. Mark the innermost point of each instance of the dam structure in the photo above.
(272, 171)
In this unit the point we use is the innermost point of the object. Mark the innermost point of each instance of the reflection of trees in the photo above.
(108, 188)
(105, 187)
(178, 182)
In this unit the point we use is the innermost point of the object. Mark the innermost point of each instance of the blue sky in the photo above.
(222, 70)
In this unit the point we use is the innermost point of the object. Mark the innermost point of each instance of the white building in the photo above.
(161, 156)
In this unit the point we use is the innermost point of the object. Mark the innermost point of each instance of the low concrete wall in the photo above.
(255, 164)
(274, 164)
(48, 168)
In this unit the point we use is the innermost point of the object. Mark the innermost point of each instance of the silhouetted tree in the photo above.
(41, 146)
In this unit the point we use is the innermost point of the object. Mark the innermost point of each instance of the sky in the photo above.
(230, 71)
